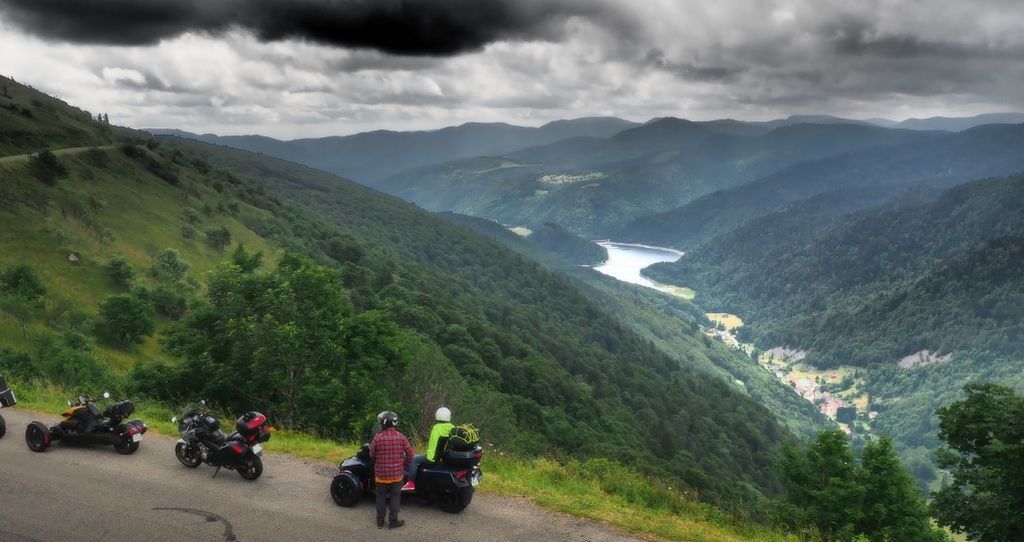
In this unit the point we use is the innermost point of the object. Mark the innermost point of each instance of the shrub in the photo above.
(218, 238)
(45, 167)
(121, 271)
(188, 233)
(168, 302)
(168, 266)
(125, 320)
(22, 281)
(191, 215)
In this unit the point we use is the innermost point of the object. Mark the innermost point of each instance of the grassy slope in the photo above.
(104, 191)
(33, 121)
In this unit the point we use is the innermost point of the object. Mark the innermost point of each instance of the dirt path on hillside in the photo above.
(58, 152)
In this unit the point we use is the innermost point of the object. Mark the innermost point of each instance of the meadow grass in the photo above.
(730, 321)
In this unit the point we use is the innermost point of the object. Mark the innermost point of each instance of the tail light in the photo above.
(237, 448)
(461, 474)
(478, 454)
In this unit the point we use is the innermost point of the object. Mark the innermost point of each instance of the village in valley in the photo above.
(838, 393)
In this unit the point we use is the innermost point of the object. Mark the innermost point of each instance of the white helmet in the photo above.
(443, 415)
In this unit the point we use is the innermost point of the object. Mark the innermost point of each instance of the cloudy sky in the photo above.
(307, 68)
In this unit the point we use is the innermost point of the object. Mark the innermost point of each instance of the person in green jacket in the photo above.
(442, 429)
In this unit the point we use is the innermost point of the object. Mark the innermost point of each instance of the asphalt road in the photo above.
(93, 493)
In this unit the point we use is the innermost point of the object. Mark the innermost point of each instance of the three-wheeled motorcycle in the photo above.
(7, 399)
(449, 482)
(84, 423)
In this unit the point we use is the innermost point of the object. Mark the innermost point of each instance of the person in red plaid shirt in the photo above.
(392, 454)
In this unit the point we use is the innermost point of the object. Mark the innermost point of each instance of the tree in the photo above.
(846, 414)
(823, 482)
(218, 238)
(125, 320)
(984, 453)
(168, 302)
(168, 266)
(245, 261)
(188, 233)
(21, 281)
(292, 333)
(876, 500)
(45, 167)
(894, 508)
(121, 271)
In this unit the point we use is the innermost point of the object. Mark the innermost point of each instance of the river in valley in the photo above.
(626, 260)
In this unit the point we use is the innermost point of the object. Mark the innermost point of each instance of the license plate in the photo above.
(257, 449)
(474, 480)
(137, 437)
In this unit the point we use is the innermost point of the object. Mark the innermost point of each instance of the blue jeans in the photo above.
(415, 467)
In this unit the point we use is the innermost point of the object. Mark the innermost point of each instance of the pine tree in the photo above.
(893, 506)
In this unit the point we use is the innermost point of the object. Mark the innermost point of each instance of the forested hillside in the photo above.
(671, 323)
(125, 264)
(568, 245)
(924, 290)
(827, 275)
(595, 186)
(943, 160)
(565, 368)
(369, 157)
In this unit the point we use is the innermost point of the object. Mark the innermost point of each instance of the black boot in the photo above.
(380, 523)
(396, 524)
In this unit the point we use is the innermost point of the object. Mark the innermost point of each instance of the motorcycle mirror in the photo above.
(69, 402)
(202, 402)
(174, 419)
(106, 395)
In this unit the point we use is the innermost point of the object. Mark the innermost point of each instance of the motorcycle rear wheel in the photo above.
(345, 490)
(251, 467)
(455, 501)
(37, 436)
(186, 456)
(125, 445)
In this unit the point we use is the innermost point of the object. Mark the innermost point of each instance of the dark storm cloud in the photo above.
(403, 27)
(859, 37)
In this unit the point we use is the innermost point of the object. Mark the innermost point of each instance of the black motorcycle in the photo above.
(7, 399)
(449, 482)
(202, 441)
(85, 423)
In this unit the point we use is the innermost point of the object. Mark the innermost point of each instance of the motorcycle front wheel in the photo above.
(251, 467)
(3, 427)
(37, 436)
(187, 455)
(455, 501)
(345, 490)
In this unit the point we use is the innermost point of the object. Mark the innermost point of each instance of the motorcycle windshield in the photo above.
(193, 408)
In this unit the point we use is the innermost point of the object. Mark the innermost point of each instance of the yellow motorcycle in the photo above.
(85, 423)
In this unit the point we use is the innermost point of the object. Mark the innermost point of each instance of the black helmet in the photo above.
(387, 419)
